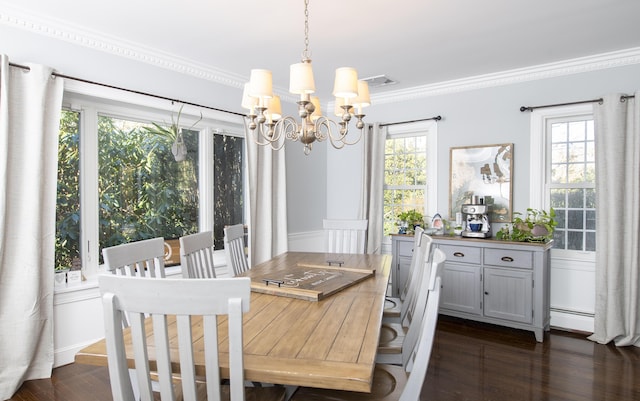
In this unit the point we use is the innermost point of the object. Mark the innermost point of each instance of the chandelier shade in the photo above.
(301, 80)
(248, 101)
(269, 127)
(363, 99)
(346, 83)
(261, 84)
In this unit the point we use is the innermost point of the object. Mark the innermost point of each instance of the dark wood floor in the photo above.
(470, 361)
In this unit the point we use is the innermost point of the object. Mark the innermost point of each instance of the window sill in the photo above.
(88, 288)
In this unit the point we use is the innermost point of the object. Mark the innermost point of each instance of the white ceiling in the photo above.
(415, 42)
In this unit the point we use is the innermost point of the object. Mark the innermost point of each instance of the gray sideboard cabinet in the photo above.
(498, 282)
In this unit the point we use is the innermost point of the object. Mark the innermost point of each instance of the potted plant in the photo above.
(536, 226)
(174, 133)
(409, 218)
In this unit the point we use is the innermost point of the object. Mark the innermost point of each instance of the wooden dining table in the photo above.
(327, 341)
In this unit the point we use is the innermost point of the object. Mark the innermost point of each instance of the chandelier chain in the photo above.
(306, 54)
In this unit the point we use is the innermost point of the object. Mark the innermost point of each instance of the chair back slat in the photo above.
(234, 249)
(163, 357)
(187, 367)
(345, 236)
(136, 259)
(160, 299)
(141, 258)
(196, 255)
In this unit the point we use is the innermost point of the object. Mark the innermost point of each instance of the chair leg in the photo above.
(288, 392)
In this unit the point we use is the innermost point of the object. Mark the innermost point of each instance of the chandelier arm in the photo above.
(342, 137)
(344, 141)
(324, 130)
(274, 145)
(289, 128)
(262, 139)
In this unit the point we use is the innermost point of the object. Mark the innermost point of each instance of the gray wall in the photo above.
(327, 182)
(489, 116)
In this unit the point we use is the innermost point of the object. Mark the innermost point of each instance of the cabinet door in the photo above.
(461, 288)
(508, 294)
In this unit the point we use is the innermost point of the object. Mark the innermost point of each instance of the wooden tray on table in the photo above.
(311, 278)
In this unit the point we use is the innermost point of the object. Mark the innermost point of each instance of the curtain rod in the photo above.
(623, 98)
(55, 74)
(436, 118)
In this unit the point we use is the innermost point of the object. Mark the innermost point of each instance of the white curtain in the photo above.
(268, 234)
(617, 314)
(30, 103)
(372, 185)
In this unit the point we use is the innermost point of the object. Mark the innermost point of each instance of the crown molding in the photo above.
(59, 30)
(543, 71)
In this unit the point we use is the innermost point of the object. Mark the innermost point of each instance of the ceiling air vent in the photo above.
(379, 80)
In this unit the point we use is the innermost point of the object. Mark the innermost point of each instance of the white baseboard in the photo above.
(569, 320)
(66, 355)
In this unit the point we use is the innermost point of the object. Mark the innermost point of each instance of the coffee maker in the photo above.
(476, 218)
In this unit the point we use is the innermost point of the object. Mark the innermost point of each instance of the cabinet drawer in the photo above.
(405, 248)
(464, 254)
(508, 258)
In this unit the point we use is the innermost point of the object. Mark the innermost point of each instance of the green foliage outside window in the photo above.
(228, 189)
(143, 192)
(405, 178)
(68, 195)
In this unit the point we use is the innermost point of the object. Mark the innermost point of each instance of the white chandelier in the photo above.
(265, 115)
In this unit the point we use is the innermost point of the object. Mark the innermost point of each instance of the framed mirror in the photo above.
(484, 171)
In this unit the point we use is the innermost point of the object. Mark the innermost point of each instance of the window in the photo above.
(409, 161)
(68, 194)
(143, 191)
(563, 177)
(229, 185)
(119, 182)
(571, 182)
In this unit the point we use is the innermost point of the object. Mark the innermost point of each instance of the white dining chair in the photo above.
(345, 236)
(143, 258)
(196, 255)
(234, 249)
(184, 299)
(140, 258)
(394, 336)
(392, 382)
(394, 307)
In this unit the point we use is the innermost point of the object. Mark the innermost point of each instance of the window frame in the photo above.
(429, 130)
(540, 187)
(91, 101)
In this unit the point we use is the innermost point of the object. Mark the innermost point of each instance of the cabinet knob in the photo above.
(507, 259)
(458, 254)
(486, 293)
